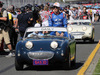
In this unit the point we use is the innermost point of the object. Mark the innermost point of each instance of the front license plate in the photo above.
(78, 37)
(40, 62)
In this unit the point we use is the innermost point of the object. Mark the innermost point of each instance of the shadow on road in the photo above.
(87, 42)
(6, 69)
(4, 53)
(52, 68)
(77, 66)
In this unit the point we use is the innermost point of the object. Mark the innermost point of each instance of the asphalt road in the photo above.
(83, 50)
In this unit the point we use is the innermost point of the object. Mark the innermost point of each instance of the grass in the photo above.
(97, 69)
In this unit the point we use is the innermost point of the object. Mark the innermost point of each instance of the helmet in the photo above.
(57, 4)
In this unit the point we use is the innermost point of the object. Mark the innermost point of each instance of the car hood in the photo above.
(79, 28)
(44, 44)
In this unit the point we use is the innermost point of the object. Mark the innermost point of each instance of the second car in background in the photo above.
(81, 29)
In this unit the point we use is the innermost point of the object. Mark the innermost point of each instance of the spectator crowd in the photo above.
(14, 21)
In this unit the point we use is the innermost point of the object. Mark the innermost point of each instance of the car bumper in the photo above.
(81, 35)
(51, 57)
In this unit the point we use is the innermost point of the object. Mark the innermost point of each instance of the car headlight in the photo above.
(54, 45)
(84, 28)
(70, 29)
(29, 45)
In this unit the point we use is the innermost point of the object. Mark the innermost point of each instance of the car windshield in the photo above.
(38, 33)
(80, 23)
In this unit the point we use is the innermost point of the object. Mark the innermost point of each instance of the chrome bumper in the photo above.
(40, 55)
(78, 35)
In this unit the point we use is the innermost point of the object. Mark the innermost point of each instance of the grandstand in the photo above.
(19, 3)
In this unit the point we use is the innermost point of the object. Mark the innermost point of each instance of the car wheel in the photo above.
(18, 66)
(91, 40)
(84, 40)
(67, 64)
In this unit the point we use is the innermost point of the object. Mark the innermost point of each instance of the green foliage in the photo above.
(97, 69)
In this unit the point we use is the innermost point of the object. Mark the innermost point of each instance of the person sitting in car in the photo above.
(59, 33)
(35, 33)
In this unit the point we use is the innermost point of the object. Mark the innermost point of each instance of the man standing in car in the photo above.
(57, 19)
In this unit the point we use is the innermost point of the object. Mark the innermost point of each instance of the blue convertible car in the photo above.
(45, 46)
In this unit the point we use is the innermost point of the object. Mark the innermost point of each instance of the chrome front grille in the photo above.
(78, 33)
(40, 55)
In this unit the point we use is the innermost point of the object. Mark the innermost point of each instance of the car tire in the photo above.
(18, 66)
(84, 40)
(67, 64)
(91, 40)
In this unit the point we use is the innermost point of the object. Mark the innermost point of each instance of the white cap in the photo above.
(37, 25)
(57, 4)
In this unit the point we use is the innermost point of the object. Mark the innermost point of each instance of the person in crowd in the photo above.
(65, 9)
(75, 13)
(30, 15)
(48, 6)
(4, 30)
(84, 14)
(79, 10)
(33, 15)
(90, 14)
(62, 10)
(22, 21)
(37, 16)
(68, 12)
(45, 16)
(41, 7)
(96, 16)
(14, 14)
(51, 10)
(12, 31)
(57, 19)
(18, 11)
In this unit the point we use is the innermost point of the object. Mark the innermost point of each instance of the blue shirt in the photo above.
(58, 20)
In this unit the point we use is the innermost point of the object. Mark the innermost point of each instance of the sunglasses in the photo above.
(55, 7)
